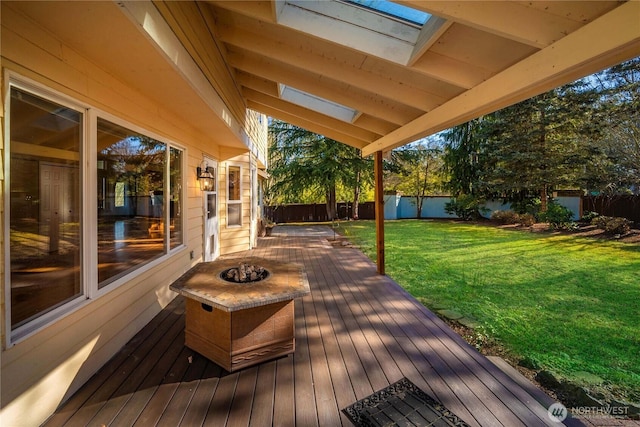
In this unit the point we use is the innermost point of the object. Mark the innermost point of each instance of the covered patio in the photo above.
(357, 333)
(198, 76)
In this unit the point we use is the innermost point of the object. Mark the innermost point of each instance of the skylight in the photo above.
(377, 27)
(396, 10)
(316, 103)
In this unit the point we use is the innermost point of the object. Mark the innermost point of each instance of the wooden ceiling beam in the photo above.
(336, 91)
(515, 21)
(260, 84)
(262, 10)
(374, 124)
(268, 87)
(287, 51)
(462, 74)
(310, 115)
(579, 54)
(429, 34)
(307, 124)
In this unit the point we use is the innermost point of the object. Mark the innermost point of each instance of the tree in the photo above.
(462, 158)
(415, 170)
(528, 149)
(542, 144)
(301, 161)
(619, 105)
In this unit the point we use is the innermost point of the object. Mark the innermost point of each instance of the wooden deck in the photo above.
(356, 333)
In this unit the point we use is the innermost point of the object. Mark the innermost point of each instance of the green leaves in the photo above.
(582, 135)
(303, 164)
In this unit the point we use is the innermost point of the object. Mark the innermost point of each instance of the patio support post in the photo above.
(379, 207)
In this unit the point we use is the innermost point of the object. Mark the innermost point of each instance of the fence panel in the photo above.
(316, 212)
(626, 206)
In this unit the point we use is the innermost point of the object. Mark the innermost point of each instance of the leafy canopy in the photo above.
(303, 164)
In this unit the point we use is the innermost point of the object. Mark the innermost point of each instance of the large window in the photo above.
(137, 216)
(44, 203)
(131, 216)
(234, 196)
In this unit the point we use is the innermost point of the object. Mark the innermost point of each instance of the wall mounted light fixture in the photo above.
(206, 177)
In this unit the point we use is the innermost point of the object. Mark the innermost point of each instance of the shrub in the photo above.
(511, 217)
(600, 221)
(557, 216)
(505, 217)
(465, 207)
(612, 225)
(589, 216)
(527, 219)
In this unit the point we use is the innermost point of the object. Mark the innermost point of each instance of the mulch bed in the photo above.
(583, 230)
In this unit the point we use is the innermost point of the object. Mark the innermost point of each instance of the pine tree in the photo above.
(304, 162)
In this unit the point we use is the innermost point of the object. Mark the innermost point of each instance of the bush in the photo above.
(612, 225)
(589, 216)
(600, 222)
(557, 216)
(505, 217)
(527, 219)
(465, 207)
(511, 217)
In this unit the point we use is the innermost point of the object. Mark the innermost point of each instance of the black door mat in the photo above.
(401, 404)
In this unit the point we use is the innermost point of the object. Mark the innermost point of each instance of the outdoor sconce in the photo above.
(206, 178)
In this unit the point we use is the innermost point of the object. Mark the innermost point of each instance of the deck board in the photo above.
(184, 392)
(356, 333)
(263, 403)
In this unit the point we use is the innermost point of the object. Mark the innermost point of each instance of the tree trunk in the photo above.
(356, 197)
(543, 199)
(331, 203)
(543, 139)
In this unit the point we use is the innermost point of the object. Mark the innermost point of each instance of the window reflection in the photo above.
(234, 203)
(175, 202)
(234, 183)
(131, 211)
(45, 201)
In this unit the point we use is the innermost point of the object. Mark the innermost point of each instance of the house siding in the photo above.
(52, 363)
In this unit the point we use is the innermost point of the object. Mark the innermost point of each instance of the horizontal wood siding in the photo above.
(54, 362)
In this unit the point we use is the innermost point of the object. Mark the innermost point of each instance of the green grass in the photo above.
(566, 304)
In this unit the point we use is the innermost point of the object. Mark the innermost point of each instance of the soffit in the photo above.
(101, 33)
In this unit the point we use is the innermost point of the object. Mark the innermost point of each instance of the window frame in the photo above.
(229, 165)
(13, 80)
(89, 209)
(96, 113)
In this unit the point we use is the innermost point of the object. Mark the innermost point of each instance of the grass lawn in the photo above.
(566, 304)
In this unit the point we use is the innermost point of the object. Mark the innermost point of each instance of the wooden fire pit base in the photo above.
(241, 324)
(237, 339)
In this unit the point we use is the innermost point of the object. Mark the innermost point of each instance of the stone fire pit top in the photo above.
(203, 283)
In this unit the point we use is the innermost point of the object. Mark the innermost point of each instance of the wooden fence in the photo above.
(316, 212)
(626, 206)
(404, 207)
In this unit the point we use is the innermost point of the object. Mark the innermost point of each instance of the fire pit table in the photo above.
(240, 311)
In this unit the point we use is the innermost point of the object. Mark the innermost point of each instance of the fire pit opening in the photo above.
(245, 273)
